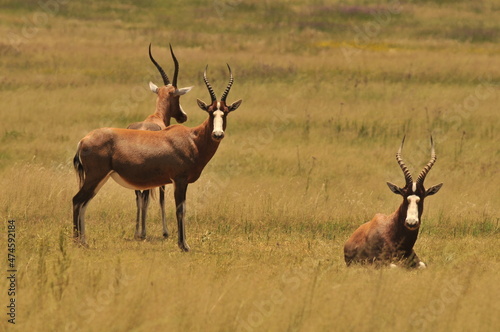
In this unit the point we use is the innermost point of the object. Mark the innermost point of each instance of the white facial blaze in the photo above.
(412, 213)
(218, 123)
(414, 187)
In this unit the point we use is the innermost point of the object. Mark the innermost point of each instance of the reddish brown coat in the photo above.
(390, 239)
(143, 160)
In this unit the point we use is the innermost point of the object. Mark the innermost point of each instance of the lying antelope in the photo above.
(167, 106)
(141, 160)
(390, 239)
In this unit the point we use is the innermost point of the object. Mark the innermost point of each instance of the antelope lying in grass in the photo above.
(167, 106)
(141, 160)
(390, 239)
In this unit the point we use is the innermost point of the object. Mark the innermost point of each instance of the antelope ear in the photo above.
(395, 189)
(234, 105)
(202, 105)
(183, 91)
(153, 87)
(432, 190)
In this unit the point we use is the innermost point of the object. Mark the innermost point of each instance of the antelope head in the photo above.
(218, 110)
(414, 192)
(169, 92)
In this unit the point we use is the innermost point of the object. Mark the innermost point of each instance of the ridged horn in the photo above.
(226, 92)
(166, 81)
(427, 168)
(176, 70)
(209, 87)
(406, 171)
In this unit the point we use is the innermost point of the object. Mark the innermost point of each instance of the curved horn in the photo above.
(226, 92)
(427, 168)
(166, 81)
(209, 87)
(176, 70)
(408, 178)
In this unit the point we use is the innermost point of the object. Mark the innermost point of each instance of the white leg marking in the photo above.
(139, 214)
(162, 207)
(82, 222)
(421, 265)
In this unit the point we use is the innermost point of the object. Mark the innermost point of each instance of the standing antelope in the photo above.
(390, 239)
(141, 160)
(167, 106)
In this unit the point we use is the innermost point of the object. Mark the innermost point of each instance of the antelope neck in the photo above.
(203, 138)
(162, 107)
(403, 235)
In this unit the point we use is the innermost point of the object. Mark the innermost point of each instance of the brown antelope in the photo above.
(141, 160)
(167, 106)
(390, 239)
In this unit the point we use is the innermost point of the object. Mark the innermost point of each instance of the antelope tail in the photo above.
(77, 163)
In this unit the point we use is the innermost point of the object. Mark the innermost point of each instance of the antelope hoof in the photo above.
(393, 266)
(184, 246)
(165, 235)
(421, 265)
(81, 243)
(140, 237)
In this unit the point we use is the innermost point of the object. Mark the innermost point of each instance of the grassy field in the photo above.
(328, 92)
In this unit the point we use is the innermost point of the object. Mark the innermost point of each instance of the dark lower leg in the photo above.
(162, 207)
(145, 204)
(180, 202)
(138, 202)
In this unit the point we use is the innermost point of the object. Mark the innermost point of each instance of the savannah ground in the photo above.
(328, 92)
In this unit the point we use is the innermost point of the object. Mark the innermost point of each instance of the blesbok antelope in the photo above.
(390, 239)
(167, 106)
(141, 160)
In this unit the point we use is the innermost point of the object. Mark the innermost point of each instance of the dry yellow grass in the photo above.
(304, 162)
